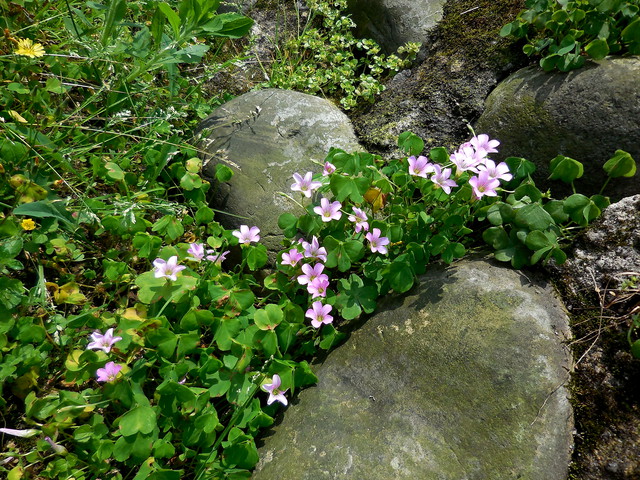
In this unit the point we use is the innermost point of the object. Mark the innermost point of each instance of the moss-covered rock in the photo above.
(438, 99)
(586, 114)
(461, 379)
(265, 137)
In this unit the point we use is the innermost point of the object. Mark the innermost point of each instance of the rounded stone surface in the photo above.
(265, 137)
(585, 114)
(464, 378)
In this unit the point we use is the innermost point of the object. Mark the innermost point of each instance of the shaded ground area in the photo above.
(606, 387)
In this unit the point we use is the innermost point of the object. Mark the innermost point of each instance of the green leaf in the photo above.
(597, 49)
(581, 209)
(45, 209)
(255, 255)
(527, 189)
(534, 217)
(11, 292)
(520, 167)
(565, 169)
(621, 164)
(399, 274)
(342, 254)
(344, 187)
(229, 25)
(173, 17)
(439, 155)
(411, 143)
(141, 419)
(555, 208)
(269, 317)
(354, 296)
(631, 32)
(288, 223)
(536, 240)
(164, 340)
(496, 237)
(115, 13)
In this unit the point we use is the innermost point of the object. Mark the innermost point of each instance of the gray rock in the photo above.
(586, 114)
(608, 252)
(464, 378)
(441, 97)
(392, 23)
(265, 137)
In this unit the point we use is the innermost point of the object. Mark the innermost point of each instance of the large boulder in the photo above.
(392, 23)
(586, 114)
(463, 378)
(265, 137)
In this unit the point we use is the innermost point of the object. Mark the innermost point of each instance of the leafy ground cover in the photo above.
(130, 346)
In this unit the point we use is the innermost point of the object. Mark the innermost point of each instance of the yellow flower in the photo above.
(28, 224)
(29, 49)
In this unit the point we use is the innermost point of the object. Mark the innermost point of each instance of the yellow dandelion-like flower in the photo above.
(28, 224)
(29, 49)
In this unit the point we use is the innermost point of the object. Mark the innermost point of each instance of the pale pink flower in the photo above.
(360, 219)
(305, 185)
(29, 432)
(484, 145)
(319, 314)
(103, 342)
(275, 394)
(329, 168)
(376, 242)
(318, 286)
(109, 372)
(420, 166)
(292, 257)
(328, 211)
(309, 273)
(218, 258)
(442, 179)
(197, 252)
(59, 449)
(247, 235)
(465, 159)
(500, 171)
(167, 269)
(314, 250)
(483, 185)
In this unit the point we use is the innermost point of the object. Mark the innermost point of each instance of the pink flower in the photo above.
(314, 250)
(420, 166)
(103, 342)
(218, 258)
(500, 171)
(197, 252)
(465, 158)
(483, 185)
(291, 258)
(167, 269)
(109, 372)
(319, 314)
(328, 211)
(329, 168)
(59, 449)
(442, 180)
(318, 286)
(305, 185)
(360, 219)
(275, 394)
(29, 432)
(247, 235)
(376, 242)
(483, 145)
(309, 273)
